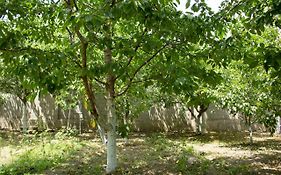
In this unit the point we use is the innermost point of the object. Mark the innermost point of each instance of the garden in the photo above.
(134, 87)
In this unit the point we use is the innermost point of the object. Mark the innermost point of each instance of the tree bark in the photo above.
(68, 119)
(111, 115)
(204, 118)
(250, 129)
(111, 137)
(81, 117)
(24, 118)
(198, 125)
(102, 134)
(278, 128)
(199, 118)
(251, 133)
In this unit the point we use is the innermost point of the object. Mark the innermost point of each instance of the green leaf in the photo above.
(187, 4)
(195, 7)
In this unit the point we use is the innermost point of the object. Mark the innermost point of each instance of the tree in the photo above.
(138, 99)
(253, 29)
(247, 91)
(105, 44)
(10, 84)
(190, 83)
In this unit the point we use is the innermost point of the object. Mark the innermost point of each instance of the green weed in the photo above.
(44, 154)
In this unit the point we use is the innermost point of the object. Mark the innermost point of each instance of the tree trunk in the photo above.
(201, 118)
(197, 113)
(126, 121)
(198, 125)
(68, 119)
(192, 112)
(250, 128)
(102, 134)
(111, 114)
(278, 127)
(81, 117)
(111, 136)
(203, 123)
(24, 118)
(251, 133)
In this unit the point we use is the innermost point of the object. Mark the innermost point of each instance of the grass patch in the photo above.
(39, 153)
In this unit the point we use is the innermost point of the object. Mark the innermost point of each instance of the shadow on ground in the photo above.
(219, 154)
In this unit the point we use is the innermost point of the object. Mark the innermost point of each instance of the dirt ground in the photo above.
(210, 154)
(160, 154)
(261, 157)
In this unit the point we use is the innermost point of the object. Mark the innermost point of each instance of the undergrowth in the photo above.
(39, 152)
(190, 162)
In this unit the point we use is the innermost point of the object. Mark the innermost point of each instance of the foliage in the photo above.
(257, 14)
(40, 154)
(9, 84)
(248, 91)
(129, 107)
(81, 48)
(109, 44)
(189, 81)
(255, 18)
(252, 91)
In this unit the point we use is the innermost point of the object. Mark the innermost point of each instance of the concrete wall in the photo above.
(221, 120)
(10, 112)
(45, 114)
(174, 118)
(177, 118)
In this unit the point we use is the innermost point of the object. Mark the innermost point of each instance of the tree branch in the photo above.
(85, 79)
(84, 45)
(99, 81)
(15, 49)
(191, 111)
(83, 50)
(135, 51)
(202, 109)
(75, 5)
(71, 36)
(139, 68)
(71, 4)
(91, 96)
(142, 81)
(220, 17)
(77, 63)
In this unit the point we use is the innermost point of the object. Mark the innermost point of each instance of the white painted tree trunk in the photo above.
(111, 136)
(24, 119)
(102, 134)
(278, 127)
(79, 110)
(251, 133)
(198, 125)
(68, 119)
(203, 125)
